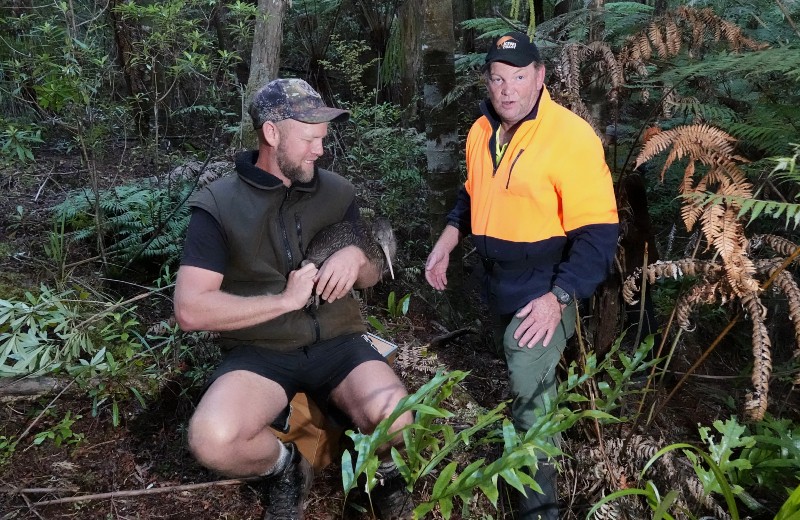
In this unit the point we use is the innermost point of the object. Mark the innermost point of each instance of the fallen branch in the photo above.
(140, 492)
(438, 341)
(31, 386)
(36, 491)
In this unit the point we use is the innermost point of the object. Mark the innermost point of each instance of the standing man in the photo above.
(241, 276)
(539, 204)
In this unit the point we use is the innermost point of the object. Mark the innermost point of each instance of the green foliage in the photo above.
(728, 464)
(732, 438)
(769, 458)
(430, 442)
(49, 330)
(143, 219)
(660, 506)
(617, 382)
(18, 142)
(751, 95)
(346, 60)
(791, 508)
(377, 145)
(396, 310)
(179, 53)
(8, 445)
(61, 432)
(105, 380)
(56, 67)
(381, 149)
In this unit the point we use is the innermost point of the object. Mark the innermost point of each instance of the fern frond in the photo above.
(786, 283)
(770, 139)
(699, 294)
(622, 18)
(568, 66)
(608, 62)
(778, 244)
(657, 40)
(756, 400)
(754, 207)
(784, 61)
(699, 142)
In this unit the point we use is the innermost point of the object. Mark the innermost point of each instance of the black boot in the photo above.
(390, 498)
(284, 494)
(541, 506)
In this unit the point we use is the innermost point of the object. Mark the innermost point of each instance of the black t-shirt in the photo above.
(206, 245)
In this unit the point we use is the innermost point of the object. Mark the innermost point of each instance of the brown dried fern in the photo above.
(710, 271)
(699, 294)
(601, 471)
(778, 244)
(786, 283)
(755, 405)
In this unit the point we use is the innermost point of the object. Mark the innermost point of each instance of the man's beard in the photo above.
(293, 171)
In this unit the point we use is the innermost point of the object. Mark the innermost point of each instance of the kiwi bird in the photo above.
(377, 242)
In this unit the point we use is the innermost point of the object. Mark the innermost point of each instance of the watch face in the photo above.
(562, 296)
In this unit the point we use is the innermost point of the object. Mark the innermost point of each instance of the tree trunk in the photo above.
(264, 60)
(410, 28)
(135, 75)
(465, 38)
(596, 24)
(441, 121)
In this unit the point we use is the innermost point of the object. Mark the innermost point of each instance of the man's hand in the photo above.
(541, 317)
(299, 285)
(436, 268)
(339, 273)
(439, 259)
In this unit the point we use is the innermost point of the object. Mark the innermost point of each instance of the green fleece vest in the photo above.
(267, 227)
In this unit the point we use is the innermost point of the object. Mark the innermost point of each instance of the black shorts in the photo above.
(315, 370)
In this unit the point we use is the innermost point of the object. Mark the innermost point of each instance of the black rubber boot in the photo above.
(284, 495)
(540, 506)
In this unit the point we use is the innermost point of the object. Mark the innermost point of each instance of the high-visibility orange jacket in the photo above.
(546, 214)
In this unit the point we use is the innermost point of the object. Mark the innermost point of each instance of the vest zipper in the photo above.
(313, 315)
(510, 168)
(299, 230)
(286, 245)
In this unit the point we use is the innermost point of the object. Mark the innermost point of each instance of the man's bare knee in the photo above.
(212, 442)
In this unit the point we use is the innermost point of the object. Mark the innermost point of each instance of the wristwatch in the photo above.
(563, 297)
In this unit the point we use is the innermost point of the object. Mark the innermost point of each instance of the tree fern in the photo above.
(141, 219)
(752, 208)
(784, 61)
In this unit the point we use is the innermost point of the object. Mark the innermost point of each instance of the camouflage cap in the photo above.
(292, 99)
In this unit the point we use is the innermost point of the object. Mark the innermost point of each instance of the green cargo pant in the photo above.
(532, 371)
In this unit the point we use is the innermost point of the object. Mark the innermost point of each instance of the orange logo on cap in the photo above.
(502, 42)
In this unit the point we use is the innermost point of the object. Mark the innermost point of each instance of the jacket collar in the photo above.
(488, 110)
(255, 176)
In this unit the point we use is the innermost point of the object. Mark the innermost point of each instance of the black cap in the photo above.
(515, 48)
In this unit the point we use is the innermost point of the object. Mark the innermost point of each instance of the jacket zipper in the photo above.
(510, 168)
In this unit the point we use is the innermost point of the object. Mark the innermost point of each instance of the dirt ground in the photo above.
(142, 468)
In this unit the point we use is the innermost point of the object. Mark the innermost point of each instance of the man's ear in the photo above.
(270, 133)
